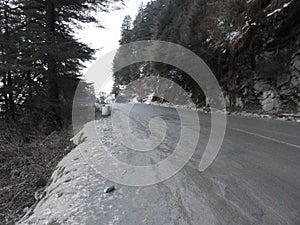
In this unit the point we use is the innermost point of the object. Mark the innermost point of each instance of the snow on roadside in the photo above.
(69, 197)
(171, 105)
(282, 117)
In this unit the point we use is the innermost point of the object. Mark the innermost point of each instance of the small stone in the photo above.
(26, 209)
(109, 189)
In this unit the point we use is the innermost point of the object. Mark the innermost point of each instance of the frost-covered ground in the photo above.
(75, 188)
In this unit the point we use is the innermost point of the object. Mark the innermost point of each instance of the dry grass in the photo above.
(25, 169)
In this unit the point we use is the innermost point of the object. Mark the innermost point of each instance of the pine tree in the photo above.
(123, 76)
(9, 45)
(41, 59)
(126, 30)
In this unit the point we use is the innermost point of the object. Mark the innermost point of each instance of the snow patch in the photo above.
(171, 105)
(149, 98)
(287, 4)
(282, 117)
(233, 35)
(279, 9)
(220, 22)
(122, 87)
(135, 100)
(275, 11)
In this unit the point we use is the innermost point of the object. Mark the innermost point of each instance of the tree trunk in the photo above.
(11, 98)
(54, 119)
(6, 107)
(29, 83)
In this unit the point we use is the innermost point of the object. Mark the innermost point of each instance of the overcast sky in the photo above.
(107, 39)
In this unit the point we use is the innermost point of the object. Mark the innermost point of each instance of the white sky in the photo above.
(108, 39)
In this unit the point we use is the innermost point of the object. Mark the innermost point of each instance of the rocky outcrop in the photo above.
(253, 48)
(267, 58)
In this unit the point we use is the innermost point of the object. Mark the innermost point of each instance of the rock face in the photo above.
(280, 95)
(253, 48)
(295, 72)
(269, 71)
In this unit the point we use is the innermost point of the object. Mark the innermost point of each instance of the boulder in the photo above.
(269, 101)
(239, 103)
(106, 111)
(286, 91)
(261, 86)
(295, 81)
(296, 63)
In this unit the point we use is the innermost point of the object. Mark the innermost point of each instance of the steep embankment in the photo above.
(251, 46)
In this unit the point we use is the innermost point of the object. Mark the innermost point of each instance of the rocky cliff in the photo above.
(251, 46)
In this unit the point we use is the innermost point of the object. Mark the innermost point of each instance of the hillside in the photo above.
(251, 46)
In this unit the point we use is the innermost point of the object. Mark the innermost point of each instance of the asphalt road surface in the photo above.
(255, 178)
